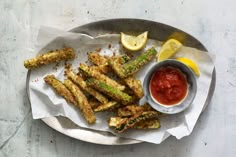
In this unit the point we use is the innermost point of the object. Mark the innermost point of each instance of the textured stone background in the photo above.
(213, 22)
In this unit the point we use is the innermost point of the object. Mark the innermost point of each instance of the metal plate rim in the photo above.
(120, 141)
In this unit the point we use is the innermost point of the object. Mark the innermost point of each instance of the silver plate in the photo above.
(157, 31)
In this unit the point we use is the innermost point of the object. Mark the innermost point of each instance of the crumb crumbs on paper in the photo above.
(66, 64)
(56, 66)
(36, 80)
(98, 50)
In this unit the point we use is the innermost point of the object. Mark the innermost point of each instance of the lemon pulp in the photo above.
(134, 43)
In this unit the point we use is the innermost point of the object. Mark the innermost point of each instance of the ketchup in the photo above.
(168, 86)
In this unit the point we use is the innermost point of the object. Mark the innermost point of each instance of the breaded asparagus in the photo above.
(81, 83)
(50, 57)
(117, 67)
(131, 122)
(115, 121)
(60, 88)
(135, 86)
(131, 110)
(94, 103)
(106, 106)
(97, 59)
(103, 78)
(104, 69)
(101, 62)
(145, 124)
(148, 124)
(81, 101)
(132, 67)
(114, 93)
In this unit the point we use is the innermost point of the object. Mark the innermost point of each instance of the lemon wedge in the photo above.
(192, 65)
(168, 49)
(134, 43)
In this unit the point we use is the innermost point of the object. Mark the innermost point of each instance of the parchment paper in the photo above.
(46, 103)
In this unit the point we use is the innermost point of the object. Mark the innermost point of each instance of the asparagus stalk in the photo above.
(49, 57)
(145, 124)
(132, 67)
(60, 88)
(135, 86)
(97, 59)
(131, 110)
(148, 124)
(106, 106)
(101, 62)
(101, 77)
(131, 122)
(81, 83)
(81, 101)
(113, 92)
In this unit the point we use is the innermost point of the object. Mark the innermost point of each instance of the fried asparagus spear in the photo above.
(102, 66)
(106, 106)
(148, 124)
(94, 103)
(97, 59)
(81, 101)
(132, 121)
(81, 83)
(132, 67)
(145, 124)
(50, 57)
(103, 78)
(114, 93)
(60, 88)
(131, 110)
(104, 69)
(135, 86)
(101, 62)
(115, 121)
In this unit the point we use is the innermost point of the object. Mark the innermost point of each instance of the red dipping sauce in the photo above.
(168, 86)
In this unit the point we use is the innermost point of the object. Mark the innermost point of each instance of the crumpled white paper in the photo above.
(46, 103)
